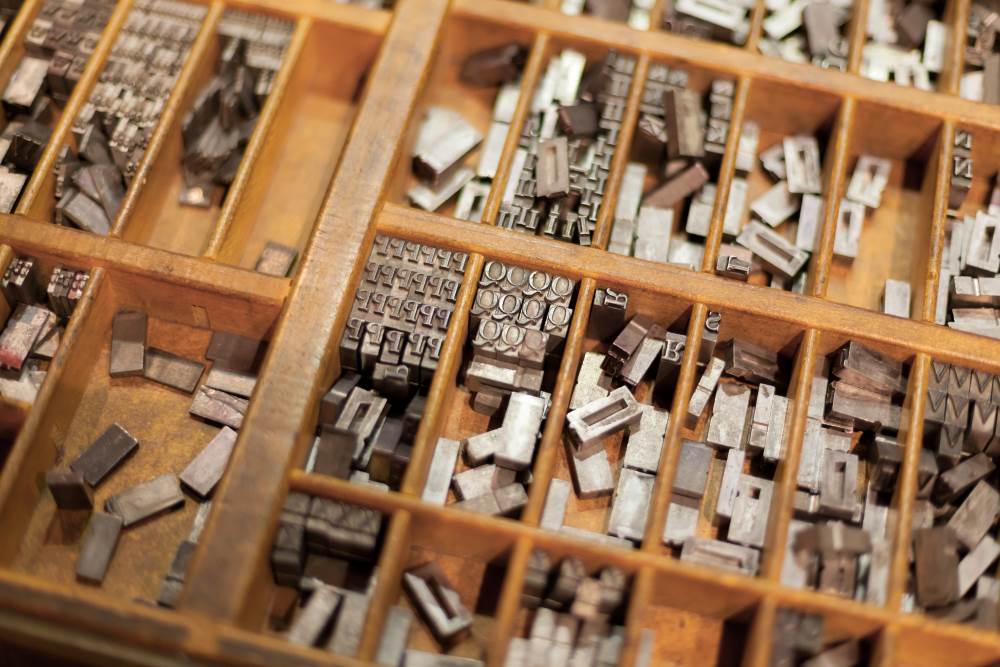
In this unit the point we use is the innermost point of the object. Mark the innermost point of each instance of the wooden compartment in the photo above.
(81, 401)
(813, 114)
(895, 237)
(444, 88)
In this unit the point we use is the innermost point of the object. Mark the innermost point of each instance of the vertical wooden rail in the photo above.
(822, 258)
(533, 70)
(957, 19)
(551, 442)
(857, 35)
(391, 562)
(656, 14)
(12, 47)
(663, 486)
(756, 33)
(222, 579)
(509, 604)
(761, 635)
(638, 601)
(606, 214)
(927, 307)
(726, 172)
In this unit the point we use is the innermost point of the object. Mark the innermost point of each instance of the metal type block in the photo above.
(231, 382)
(395, 636)
(693, 464)
(345, 639)
(775, 440)
(171, 370)
(777, 204)
(552, 168)
(886, 458)
(802, 164)
(69, 490)
(896, 298)
(437, 603)
(850, 218)
(276, 259)
(645, 441)
(678, 188)
(432, 198)
(315, 617)
(592, 475)
(142, 501)
(494, 66)
(589, 425)
(862, 367)
(578, 120)
(685, 133)
(104, 454)
(728, 423)
(554, 511)
(936, 566)
(521, 425)
(761, 419)
(128, 343)
(97, 547)
(839, 483)
(607, 316)
(751, 509)
(588, 381)
(776, 253)
(682, 520)
(206, 469)
(706, 387)
(976, 563)
(654, 228)
(722, 555)
(480, 481)
(233, 351)
(219, 407)
(975, 516)
(955, 481)
(639, 364)
(630, 505)
(868, 182)
(445, 138)
(23, 329)
(810, 222)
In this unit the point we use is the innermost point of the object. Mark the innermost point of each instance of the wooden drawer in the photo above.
(326, 169)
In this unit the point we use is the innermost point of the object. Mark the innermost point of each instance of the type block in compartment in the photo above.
(556, 183)
(886, 215)
(389, 353)
(574, 608)
(907, 43)
(323, 563)
(727, 22)
(968, 291)
(775, 212)
(454, 146)
(954, 539)
(602, 484)
(816, 32)
(41, 73)
(130, 440)
(850, 466)
(496, 411)
(739, 421)
(664, 205)
(449, 589)
(809, 639)
(200, 165)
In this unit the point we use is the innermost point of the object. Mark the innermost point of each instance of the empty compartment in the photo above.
(887, 213)
(735, 443)
(613, 435)
(453, 146)
(664, 206)
(761, 189)
(291, 172)
(496, 409)
(135, 430)
(178, 207)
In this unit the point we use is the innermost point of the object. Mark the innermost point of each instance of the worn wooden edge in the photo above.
(957, 18)
(262, 129)
(79, 247)
(222, 580)
(172, 111)
(857, 35)
(734, 60)
(805, 312)
(37, 194)
(927, 308)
